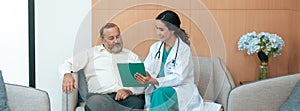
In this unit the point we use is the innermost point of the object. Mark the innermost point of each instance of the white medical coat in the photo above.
(180, 76)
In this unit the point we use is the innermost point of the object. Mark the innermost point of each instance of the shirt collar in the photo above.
(101, 48)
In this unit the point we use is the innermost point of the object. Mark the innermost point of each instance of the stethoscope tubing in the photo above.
(158, 52)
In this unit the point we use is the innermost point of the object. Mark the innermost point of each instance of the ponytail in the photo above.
(183, 36)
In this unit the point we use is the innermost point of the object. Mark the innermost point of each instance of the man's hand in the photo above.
(145, 80)
(122, 94)
(68, 83)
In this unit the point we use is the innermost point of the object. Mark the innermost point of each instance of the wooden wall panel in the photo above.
(150, 4)
(295, 65)
(233, 18)
(135, 25)
(295, 53)
(296, 5)
(298, 39)
(235, 23)
(296, 58)
(199, 44)
(244, 4)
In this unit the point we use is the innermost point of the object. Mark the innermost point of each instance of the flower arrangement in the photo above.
(264, 44)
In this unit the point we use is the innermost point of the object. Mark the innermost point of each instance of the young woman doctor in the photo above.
(170, 69)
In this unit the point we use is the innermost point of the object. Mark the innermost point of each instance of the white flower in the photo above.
(270, 44)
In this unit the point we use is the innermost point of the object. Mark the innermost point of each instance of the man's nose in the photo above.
(115, 40)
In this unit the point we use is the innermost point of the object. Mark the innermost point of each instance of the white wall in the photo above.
(14, 41)
(59, 25)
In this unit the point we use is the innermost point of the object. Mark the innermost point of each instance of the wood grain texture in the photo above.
(232, 17)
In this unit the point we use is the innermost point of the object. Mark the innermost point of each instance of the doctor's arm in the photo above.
(176, 75)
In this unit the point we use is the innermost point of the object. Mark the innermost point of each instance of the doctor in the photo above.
(170, 69)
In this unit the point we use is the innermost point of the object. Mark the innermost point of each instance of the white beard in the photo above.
(116, 48)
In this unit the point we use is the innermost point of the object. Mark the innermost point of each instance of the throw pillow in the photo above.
(3, 98)
(82, 87)
(293, 101)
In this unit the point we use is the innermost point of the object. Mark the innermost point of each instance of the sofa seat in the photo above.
(212, 78)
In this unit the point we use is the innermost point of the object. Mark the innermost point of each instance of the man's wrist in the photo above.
(129, 91)
(67, 74)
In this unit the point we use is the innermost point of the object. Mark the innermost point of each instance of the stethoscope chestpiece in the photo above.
(173, 62)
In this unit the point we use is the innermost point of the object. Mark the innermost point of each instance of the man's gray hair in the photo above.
(106, 26)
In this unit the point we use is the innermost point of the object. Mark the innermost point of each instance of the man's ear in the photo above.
(99, 41)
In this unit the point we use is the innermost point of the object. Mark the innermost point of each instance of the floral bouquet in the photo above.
(264, 44)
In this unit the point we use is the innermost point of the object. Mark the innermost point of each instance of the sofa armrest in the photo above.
(69, 101)
(213, 80)
(23, 98)
(223, 82)
(264, 95)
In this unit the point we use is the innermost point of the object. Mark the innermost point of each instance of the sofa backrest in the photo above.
(23, 98)
(212, 79)
(263, 95)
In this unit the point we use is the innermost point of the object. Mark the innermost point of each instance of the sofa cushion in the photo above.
(293, 101)
(3, 96)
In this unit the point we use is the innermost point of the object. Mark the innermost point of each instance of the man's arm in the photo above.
(71, 65)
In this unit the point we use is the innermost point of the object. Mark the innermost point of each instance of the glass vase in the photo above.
(263, 71)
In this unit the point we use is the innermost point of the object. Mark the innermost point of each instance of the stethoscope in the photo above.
(158, 52)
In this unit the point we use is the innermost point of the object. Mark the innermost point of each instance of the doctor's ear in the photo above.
(172, 31)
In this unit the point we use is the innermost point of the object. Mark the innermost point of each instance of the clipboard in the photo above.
(127, 72)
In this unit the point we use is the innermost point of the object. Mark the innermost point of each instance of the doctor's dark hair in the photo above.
(172, 21)
(107, 26)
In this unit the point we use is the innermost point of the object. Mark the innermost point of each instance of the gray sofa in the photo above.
(211, 77)
(264, 95)
(22, 98)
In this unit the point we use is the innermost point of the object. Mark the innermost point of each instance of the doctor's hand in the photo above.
(145, 80)
(68, 83)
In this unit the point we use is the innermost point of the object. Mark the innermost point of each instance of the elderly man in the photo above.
(106, 92)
